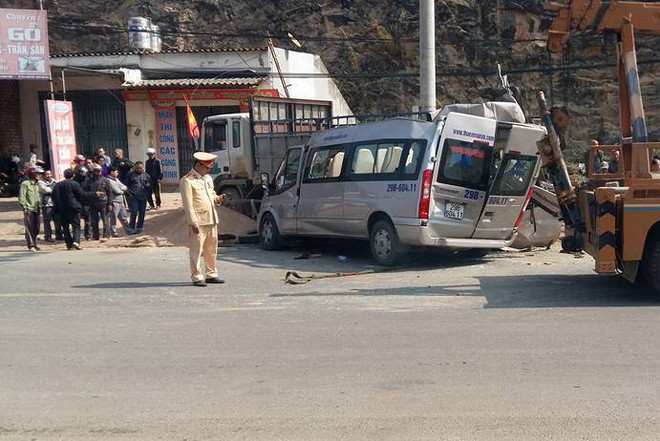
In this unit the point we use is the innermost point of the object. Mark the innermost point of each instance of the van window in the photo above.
(288, 173)
(364, 159)
(516, 172)
(466, 164)
(386, 160)
(324, 164)
(414, 159)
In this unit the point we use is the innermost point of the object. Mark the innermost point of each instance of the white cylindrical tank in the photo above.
(139, 33)
(156, 42)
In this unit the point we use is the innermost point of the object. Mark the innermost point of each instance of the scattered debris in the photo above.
(293, 278)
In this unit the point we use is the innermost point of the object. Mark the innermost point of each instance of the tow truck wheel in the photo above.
(385, 247)
(651, 265)
(269, 234)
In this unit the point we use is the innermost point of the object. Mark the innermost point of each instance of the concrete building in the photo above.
(136, 100)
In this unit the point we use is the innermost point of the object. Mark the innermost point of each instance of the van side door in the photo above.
(320, 206)
(282, 199)
(462, 174)
(510, 190)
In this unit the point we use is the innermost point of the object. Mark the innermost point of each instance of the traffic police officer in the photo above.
(199, 203)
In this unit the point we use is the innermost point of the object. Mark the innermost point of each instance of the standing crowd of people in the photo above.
(91, 199)
(96, 194)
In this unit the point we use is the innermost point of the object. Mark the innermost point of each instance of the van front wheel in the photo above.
(385, 247)
(269, 234)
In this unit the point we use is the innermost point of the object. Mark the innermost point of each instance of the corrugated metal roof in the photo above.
(251, 81)
(135, 52)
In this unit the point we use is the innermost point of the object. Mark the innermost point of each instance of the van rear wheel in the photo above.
(385, 246)
(269, 234)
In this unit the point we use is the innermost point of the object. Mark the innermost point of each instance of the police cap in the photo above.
(204, 157)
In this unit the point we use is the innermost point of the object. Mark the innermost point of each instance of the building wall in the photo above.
(318, 86)
(29, 96)
(30, 115)
(11, 137)
(141, 118)
(141, 127)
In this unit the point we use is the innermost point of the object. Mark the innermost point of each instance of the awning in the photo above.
(195, 82)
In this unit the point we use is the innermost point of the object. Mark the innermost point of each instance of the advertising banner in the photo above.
(61, 135)
(197, 95)
(167, 143)
(24, 51)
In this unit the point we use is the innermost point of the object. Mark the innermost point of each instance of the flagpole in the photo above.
(191, 118)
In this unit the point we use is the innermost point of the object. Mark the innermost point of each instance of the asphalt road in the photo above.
(116, 345)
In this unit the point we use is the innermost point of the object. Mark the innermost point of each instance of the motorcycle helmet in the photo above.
(80, 171)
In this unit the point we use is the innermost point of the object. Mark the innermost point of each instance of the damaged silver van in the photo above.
(461, 181)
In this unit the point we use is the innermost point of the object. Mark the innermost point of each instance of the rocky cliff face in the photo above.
(372, 49)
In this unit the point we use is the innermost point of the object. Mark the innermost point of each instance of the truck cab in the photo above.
(227, 137)
(255, 142)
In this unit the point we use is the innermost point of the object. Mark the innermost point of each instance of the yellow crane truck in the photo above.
(615, 217)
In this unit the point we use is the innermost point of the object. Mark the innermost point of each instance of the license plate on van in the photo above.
(454, 211)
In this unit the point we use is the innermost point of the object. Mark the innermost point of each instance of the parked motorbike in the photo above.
(9, 177)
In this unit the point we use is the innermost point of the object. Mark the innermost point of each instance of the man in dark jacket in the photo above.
(68, 198)
(138, 183)
(124, 165)
(155, 172)
(80, 176)
(98, 208)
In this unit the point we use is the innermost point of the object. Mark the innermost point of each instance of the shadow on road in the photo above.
(563, 291)
(6, 243)
(128, 285)
(299, 257)
(538, 291)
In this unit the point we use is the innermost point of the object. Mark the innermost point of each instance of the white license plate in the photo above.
(454, 211)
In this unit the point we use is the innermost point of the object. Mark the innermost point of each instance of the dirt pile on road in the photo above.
(164, 227)
(168, 227)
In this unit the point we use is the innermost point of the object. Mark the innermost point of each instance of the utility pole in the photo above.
(427, 55)
(277, 65)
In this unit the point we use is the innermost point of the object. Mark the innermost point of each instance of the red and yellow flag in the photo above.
(193, 128)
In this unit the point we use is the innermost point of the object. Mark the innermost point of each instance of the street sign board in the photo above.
(61, 135)
(24, 53)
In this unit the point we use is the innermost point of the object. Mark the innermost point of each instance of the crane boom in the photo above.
(624, 19)
(601, 17)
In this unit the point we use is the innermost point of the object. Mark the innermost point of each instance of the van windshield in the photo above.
(465, 164)
(288, 173)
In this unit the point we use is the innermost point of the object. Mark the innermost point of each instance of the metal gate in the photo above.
(99, 117)
(185, 142)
